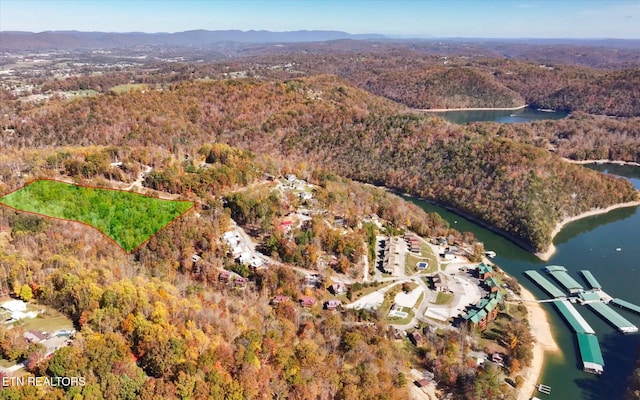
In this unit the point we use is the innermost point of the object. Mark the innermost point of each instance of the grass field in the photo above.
(128, 87)
(128, 218)
(46, 324)
(426, 255)
(444, 298)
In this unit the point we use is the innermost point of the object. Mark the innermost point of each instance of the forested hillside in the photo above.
(443, 87)
(578, 137)
(421, 80)
(517, 188)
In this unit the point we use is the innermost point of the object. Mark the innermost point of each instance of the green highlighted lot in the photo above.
(128, 218)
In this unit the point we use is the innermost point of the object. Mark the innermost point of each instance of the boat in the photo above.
(490, 254)
(618, 248)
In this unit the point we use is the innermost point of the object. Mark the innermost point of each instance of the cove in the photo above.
(526, 114)
(589, 243)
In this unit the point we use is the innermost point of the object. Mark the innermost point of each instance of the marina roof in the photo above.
(626, 304)
(621, 323)
(555, 268)
(593, 282)
(589, 296)
(491, 282)
(482, 304)
(544, 283)
(560, 274)
(590, 350)
(484, 268)
(573, 317)
(492, 304)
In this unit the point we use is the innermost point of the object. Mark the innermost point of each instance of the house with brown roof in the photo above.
(240, 282)
(34, 336)
(308, 301)
(416, 338)
(224, 276)
(279, 299)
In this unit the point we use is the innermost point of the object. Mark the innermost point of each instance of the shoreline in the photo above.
(603, 161)
(546, 255)
(439, 110)
(541, 255)
(540, 329)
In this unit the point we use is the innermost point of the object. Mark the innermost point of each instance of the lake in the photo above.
(526, 114)
(589, 243)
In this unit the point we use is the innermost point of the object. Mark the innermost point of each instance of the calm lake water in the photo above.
(526, 114)
(591, 244)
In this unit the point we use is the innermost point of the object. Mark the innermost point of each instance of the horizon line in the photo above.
(402, 36)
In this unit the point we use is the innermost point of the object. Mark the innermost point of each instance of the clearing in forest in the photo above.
(129, 219)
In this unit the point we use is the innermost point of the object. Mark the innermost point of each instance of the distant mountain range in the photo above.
(72, 40)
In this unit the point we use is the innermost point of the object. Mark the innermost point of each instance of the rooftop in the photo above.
(593, 282)
(573, 317)
(545, 284)
(621, 323)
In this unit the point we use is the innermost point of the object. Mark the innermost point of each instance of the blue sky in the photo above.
(436, 18)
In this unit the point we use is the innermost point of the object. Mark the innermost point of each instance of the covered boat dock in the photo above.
(626, 305)
(560, 274)
(573, 317)
(615, 319)
(544, 283)
(590, 353)
(593, 282)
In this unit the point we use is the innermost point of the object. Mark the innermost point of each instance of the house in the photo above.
(497, 358)
(14, 306)
(414, 245)
(484, 271)
(416, 338)
(338, 222)
(313, 280)
(308, 301)
(224, 276)
(230, 238)
(291, 178)
(244, 258)
(332, 304)
(338, 288)
(439, 282)
(34, 337)
(306, 196)
(240, 282)
(279, 299)
(424, 382)
(448, 255)
(257, 262)
(285, 226)
(491, 284)
(236, 251)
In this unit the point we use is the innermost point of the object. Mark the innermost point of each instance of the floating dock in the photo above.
(590, 353)
(615, 319)
(560, 274)
(573, 317)
(626, 305)
(593, 282)
(545, 284)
